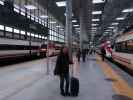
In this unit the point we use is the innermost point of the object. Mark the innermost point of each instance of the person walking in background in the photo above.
(84, 55)
(62, 70)
(78, 55)
(103, 53)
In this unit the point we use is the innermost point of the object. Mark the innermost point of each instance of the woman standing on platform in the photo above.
(62, 70)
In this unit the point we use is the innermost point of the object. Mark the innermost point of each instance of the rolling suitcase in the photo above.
(74, 87)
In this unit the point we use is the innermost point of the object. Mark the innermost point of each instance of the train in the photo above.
(13, 49)
(122, 51)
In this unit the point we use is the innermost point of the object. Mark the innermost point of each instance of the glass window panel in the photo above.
(16, 31)
(36, 35)
(1, 27)
(28, 33)
(9, 29)
(23, 13)
(22, 32)
(16, 10)
(32, 34)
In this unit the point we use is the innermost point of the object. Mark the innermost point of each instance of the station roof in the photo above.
(105, 19)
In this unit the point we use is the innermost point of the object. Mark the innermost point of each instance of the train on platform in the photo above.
(13, 49)
(122, 51)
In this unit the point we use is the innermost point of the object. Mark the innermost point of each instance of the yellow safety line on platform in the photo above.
(120, 86)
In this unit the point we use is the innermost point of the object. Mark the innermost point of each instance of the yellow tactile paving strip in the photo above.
(120, 86)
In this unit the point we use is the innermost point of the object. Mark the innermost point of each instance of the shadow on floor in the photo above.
(110, 80)
(121, 97)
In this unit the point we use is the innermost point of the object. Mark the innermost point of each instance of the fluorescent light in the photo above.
(128, 10)
(58, 26)
(16, 10)
(44, 16)
(30, 7)
(9, 29)
(107, 30)
(53, 22)
(62, 29)
(94, 24)
(16, 31)
(32, 34)
(98, 1)
(23, 32)
(111, 27)
(120, 18)
(74, 21)
(1, 27)
(28, 33)
(96, 12)
(61, 3)
(65, 14)
(40, 36)
(95, 20)
(36, 36)
(77, 28)
(94, 27)
(114, 23)
(1, 3)
(75, 25)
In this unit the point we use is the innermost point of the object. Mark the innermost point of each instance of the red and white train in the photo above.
(123, 50)
(11, 48)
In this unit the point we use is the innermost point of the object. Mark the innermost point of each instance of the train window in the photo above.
(1, 27)
(16, 31)
(8, 29)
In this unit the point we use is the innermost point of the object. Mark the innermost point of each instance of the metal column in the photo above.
(68, 34)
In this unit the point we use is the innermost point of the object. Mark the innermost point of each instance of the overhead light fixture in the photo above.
(94, 24)
(96, 12)
(30, 7)
(94, 20)
(1, 3)
(114, 23)
(98, 1)
(65, 14)
(94, 27)
(107, 30)
(62, 29)
(120, 18)
(58, 26)
(77, 28)
(53, 22)
(128, 10)
(111, 27)
(61, 3)
(44, 16)
(1, 27)
(74, 21)
(75, 25)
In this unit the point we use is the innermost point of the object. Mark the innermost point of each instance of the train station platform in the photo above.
(29, 81)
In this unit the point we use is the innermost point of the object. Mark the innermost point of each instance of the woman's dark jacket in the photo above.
(62, 64)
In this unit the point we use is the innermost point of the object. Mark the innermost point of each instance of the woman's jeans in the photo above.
(64, 78)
